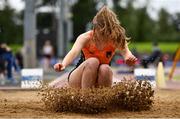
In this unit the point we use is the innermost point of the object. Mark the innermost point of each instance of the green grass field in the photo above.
(146, 47)
(16, 47)
(176, 77)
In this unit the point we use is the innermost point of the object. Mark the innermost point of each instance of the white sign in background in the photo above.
(146, 74)
(31, 78)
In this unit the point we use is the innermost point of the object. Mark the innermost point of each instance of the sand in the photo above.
(26, 104)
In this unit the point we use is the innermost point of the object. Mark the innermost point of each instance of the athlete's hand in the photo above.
(130, 60)
(59, 67)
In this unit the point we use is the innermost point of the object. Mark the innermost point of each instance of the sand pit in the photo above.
(28, 104)
(133, 95)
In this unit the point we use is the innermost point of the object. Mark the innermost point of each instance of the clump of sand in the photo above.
(131, 95)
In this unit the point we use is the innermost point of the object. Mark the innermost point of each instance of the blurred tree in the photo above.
(145, 26)
(176, 21)
(11, 25)
(165, 27)
(124, 16)
(128, 17)
(139, 26)
(83, 12)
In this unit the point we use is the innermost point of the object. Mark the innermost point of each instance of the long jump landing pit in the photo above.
(28, 104)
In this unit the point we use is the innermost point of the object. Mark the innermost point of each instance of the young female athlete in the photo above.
(97, 48)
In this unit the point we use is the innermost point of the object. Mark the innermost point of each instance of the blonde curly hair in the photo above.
(106, 24)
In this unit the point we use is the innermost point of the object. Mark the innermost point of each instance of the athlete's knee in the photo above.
(105, 69)
(92, 63)
(105, 75)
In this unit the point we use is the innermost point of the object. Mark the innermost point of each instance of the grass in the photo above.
(15, 47)
(176, 77)
(146, 47)
(143, 47)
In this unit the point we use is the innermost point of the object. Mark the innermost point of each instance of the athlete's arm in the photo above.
(129, 58)
(74, 52)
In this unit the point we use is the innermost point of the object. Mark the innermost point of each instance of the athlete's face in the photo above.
(99, 28)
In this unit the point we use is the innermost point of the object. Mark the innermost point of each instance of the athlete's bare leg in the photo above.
(85, 75)
(105, 75)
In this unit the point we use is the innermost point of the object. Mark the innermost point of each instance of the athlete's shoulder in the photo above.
(86, 35)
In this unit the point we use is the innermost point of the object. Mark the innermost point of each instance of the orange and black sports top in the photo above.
(105, 55)
(90, 50)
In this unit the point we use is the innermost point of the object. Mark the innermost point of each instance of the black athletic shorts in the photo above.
(81, 60)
